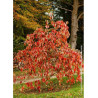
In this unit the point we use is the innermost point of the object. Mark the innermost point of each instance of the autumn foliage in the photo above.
(48, 54)
(29, 13)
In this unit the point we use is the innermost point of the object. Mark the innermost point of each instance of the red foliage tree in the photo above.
(47, 53)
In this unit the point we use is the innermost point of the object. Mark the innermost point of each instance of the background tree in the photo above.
(28, 15)
(72, 11)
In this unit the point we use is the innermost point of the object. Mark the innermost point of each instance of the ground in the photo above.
(73, 91)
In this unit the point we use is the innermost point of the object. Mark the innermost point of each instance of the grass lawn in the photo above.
(74, 91)
(18, 72)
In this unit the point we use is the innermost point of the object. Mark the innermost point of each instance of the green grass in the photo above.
(73, 92)
(17, 72)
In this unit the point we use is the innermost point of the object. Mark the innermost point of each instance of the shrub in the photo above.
(48, 54)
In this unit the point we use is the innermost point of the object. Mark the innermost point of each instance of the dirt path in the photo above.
(32, 80)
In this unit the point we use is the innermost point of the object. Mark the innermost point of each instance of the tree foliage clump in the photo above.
(27, 16)
(30, 13)
(48, 54)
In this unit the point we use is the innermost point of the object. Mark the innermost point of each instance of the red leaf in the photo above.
(22, 88)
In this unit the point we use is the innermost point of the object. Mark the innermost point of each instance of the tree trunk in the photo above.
(74, 25)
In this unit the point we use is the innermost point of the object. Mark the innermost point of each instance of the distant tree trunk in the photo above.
(74, 24)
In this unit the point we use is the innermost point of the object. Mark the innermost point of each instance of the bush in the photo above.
(48, 54)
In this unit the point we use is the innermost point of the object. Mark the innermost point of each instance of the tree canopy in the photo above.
(28, 15)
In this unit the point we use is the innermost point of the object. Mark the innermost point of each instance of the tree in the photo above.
(74, 25)
(47, 53)
(72, 11)
(28, 15)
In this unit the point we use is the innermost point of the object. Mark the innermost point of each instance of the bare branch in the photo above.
(58, 6)
(80, 16)
(63, 8)
(81, 5)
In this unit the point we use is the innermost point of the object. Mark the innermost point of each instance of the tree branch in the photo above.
(81, 5)
(63, 8)
(58, 6)
(80, 16)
